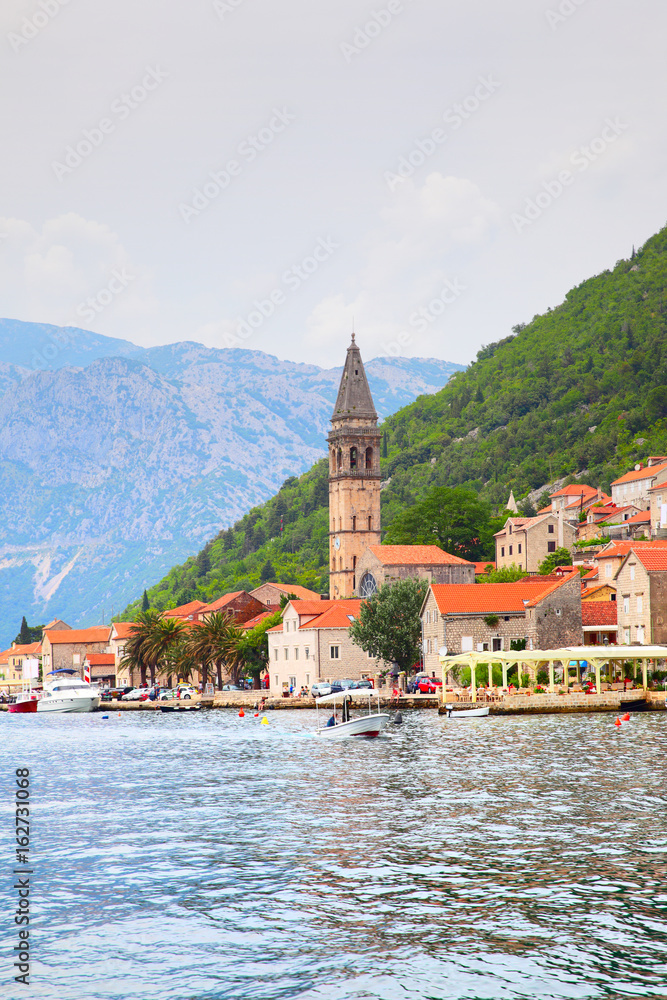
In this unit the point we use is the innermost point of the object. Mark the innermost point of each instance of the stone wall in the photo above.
(557, 618)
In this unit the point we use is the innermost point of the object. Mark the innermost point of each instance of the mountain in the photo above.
(126, 460)
(578, 394)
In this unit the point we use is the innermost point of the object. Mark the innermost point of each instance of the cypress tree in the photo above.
(145, 604)
(24, 636)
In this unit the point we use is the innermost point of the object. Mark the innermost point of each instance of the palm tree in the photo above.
(214, 642)
(152, 637)
(162, 639)
(136, 654)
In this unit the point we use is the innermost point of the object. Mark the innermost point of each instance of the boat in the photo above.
(466, 713)
(369, 725)
(67, 692)
(26, 701)
(169, 706)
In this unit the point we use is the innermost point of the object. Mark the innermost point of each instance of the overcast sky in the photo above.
(330, 199)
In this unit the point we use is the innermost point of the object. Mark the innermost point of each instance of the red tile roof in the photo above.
(601, 613)
(27, 649)
(587, 591)
(302, 593)
(223, 601)
(648, 472)
(494, 598)
(185, 610)
(653, 560)
(256, 620)
(122, 630)
(101, 659)
(524, 523)
(316, 610)
(643, 517)
(415, 555)
(574, 490)
(336, 616)
(592, 574)
(480, 567)
(620, 549)
(100, 633)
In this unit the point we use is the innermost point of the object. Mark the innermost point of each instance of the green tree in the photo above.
(214, 643)
(561, 557)
(139, 648)
(453, 518)
(23, 638)
(506, 574)
(268, 572)
(145, 603)
(389, 625)
(254, 648)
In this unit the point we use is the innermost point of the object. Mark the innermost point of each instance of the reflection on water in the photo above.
(208, 857)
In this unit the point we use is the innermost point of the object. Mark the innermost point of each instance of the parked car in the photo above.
(320, 689)
(428, 685)
(136, 694)
(115, 694)
(231, 687)
(344, 685)
(365, 683)
(185, 692)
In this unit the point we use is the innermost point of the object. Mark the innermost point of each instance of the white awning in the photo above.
(356, 694)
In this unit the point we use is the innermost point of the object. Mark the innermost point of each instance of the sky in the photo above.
(247, 173)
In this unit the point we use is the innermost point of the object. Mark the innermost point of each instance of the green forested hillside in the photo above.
(579, 392)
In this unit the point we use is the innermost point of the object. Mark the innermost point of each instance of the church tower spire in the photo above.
(354, 476)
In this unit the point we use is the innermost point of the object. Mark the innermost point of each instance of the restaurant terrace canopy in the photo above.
(569, 657)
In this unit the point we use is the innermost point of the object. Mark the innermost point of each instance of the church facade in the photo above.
(354, 477)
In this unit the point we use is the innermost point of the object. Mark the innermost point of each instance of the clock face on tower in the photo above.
(336, 542)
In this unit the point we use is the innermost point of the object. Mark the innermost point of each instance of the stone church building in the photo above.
(354, 477)
(358, 563)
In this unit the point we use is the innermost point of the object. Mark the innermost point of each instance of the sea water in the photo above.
(207, 856)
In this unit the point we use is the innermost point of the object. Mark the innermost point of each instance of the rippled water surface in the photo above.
(211, 857)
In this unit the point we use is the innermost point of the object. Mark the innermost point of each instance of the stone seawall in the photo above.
(555, 704)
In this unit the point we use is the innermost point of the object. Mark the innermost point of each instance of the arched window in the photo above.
(353, 458)
(370, 523)
(369, 458)
(340, 564)
(340, 459)
(354, 523)
(367, 586)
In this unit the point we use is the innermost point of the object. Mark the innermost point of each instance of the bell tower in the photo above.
(354, 477)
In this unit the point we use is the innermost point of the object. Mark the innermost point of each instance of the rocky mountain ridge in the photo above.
(116, 465)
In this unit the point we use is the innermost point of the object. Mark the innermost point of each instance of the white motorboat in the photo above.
(466, 713)
(370, 724)
(67, 692)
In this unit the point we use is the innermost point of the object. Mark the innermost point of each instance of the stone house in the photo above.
(634, 487)
(543, 611)
(69, 647)
(381, 564)
(312, 644)
(269, 594)
(120, 633)
(658, 509)
(641, 586)
(599, 592)
(527, 541)
(610, 557)
(102, 667)
(11, 663)
(241, 605)
(574, 499)
(608, 521)
(187, 612)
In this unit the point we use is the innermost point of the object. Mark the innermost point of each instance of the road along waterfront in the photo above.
(212, 857)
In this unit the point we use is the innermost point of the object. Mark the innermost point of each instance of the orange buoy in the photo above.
(626, 717)
(241, 714)
(257, 715)
(618, 721)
